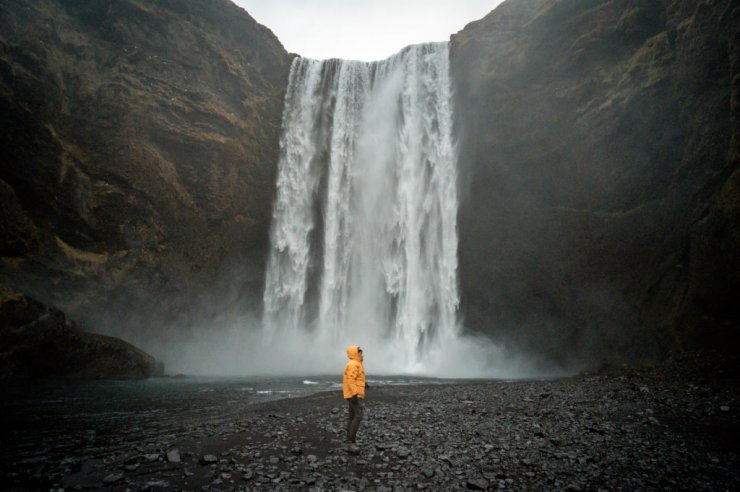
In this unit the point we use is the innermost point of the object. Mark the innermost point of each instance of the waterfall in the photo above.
(363, 239)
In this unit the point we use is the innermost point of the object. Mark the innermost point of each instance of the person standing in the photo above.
(354, 392)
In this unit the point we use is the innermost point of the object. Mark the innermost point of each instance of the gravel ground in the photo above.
(671, 427)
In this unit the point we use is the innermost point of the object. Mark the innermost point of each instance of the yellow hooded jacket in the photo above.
(354, 374)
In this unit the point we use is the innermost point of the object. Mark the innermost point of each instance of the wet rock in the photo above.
(113, 478)
(402, 452)
(208, 459)
(157, 484)
(477, 484)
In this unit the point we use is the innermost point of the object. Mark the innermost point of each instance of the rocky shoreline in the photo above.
(669, 427)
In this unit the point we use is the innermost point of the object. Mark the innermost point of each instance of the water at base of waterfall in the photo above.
(75, 406)
(364, 240)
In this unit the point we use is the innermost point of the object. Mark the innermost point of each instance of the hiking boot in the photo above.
(353, 448)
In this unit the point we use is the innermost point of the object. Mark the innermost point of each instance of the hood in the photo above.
(353, 352)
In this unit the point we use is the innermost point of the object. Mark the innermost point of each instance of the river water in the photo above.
(48, 418)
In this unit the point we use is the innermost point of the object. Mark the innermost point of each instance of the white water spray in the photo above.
(364, 239)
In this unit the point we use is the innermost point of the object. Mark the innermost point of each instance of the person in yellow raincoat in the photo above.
(354, 392)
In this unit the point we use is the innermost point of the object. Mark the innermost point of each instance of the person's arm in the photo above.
(354, 372)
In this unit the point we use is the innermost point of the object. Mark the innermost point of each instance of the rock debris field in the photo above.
(669, 427)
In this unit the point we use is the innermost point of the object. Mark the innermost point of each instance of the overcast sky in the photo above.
(363, 29)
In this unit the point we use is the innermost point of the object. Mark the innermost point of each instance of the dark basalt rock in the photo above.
(599, 174)
(138, 154)
(39, 342)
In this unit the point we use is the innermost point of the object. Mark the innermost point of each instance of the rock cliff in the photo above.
(39, 342)
(600, 181)
(138, 154)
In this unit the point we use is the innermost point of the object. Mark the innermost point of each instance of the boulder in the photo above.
(39, 342)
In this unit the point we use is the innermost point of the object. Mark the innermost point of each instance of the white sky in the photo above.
(362, 29)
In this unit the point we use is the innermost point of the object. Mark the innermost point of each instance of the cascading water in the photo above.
(364, 240)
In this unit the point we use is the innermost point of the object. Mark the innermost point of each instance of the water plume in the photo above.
(364, 239)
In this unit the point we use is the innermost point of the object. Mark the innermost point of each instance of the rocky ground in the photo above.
(671, 427)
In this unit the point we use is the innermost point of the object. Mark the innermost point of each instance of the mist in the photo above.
(237, 346)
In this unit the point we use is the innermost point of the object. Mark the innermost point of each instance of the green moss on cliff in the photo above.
(140, 131)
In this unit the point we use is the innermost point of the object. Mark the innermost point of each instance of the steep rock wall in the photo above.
(600, 179)
(138, 154)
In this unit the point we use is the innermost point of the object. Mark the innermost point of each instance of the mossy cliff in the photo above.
(600, 175)
(138, 153)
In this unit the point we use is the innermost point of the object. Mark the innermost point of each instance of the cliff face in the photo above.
(40, 342)
(138, 152)
(600, 175)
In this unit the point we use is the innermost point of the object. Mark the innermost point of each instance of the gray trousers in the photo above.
(355, 417)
